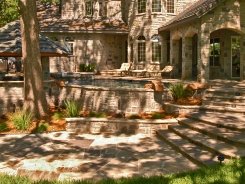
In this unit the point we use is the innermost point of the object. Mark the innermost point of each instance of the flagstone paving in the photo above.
(66, 156)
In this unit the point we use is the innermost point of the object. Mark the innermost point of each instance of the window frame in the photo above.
(168, 4)
(141, 6)
(214, 57)
(89, 10)
(156, 4)
(141, 49)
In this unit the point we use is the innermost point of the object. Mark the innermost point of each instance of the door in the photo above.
(235, 57)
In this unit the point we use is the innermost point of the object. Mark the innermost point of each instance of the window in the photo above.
(169, 5)
(103, 9)
(156, 48)
(156, 6)
(141, 6)
(141, 49)
(89, 8)
(214, 52)
(70, 44)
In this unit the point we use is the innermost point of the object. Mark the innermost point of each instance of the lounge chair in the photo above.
(123, 70)
(152, 71)
(138, 72)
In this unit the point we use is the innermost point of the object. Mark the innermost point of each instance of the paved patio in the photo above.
(65, 156)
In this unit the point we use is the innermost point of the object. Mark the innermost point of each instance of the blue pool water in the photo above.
(109, 83)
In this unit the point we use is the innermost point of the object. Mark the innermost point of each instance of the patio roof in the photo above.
(10, 43)
(194, 11)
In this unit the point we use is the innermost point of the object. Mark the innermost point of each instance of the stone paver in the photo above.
(67, 156)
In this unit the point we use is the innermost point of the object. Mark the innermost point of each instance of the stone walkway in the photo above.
(66, 156)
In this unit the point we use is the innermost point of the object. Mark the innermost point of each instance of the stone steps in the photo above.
(191, 151)
(220, 120)
(227, 110)
(213, 145)
(230, 136)
(223, 104)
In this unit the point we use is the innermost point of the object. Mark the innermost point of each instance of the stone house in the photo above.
(110, 32)
(207, 40)
(202, 39)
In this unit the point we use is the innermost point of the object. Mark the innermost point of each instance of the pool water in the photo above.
(109, 83)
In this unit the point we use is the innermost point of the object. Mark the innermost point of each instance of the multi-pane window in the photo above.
(141, 6)
(70, 44)
(103, 9)
(89, 8)
(214, 59)
(156, 48)
(169, 4)
(156, 5)
(141, 49)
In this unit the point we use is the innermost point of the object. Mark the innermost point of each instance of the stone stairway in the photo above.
(203, 136)
(225, 97)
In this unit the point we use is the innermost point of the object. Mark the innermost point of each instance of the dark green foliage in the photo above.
(3, 126)
(97, 114)
(157, 115)
(72, 108)
(87, 67)
(178, 91)
(42, 127)
(134, 116)
(21, 119)
(58, 116)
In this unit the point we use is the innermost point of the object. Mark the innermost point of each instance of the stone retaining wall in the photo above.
(116, 126)
(129, 101)
(11, 95)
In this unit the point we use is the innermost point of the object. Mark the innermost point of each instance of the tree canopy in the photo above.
(9, 10)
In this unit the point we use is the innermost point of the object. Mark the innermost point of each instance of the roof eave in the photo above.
(175, 24)
(86, 31)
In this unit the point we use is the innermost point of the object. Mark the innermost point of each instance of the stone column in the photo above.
(203, 56)
(45, 68)
(174, 54)
(242, 57)
(164, 42)
(186, 58)
(148, 51)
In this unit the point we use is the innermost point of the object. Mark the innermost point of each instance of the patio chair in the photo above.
(140, 71)
(168, 69)
(124, 69)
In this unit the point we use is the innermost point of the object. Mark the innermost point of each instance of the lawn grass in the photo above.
(231, 173)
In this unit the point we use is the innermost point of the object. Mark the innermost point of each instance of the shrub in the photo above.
(178, 91)
(97, 114)
(87, 67)
(157, 116)
(42, 127)
(3, 126)
(72, 108)
(134, 116)
(21, 119)
(58, 116)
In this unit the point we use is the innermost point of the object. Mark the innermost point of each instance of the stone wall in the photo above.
(117, 126)
(106, 50)
(130, 101)
(73, 9)
(11, 95)
(224, 21)
(147, 24)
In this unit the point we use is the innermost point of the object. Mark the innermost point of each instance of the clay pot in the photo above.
(149, 86)
(158, 86)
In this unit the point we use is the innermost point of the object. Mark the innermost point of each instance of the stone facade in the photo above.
(109, 50)
(224, 23)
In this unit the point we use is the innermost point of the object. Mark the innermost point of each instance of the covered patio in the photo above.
(10, 52)
(207, 40)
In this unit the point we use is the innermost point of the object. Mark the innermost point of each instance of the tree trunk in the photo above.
(34, 95)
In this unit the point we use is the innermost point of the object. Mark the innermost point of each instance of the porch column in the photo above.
(164, 51)
(242, 58)
(174, 55)
(186, 58)
(148, 52)
(203, 56)
(129, 51)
